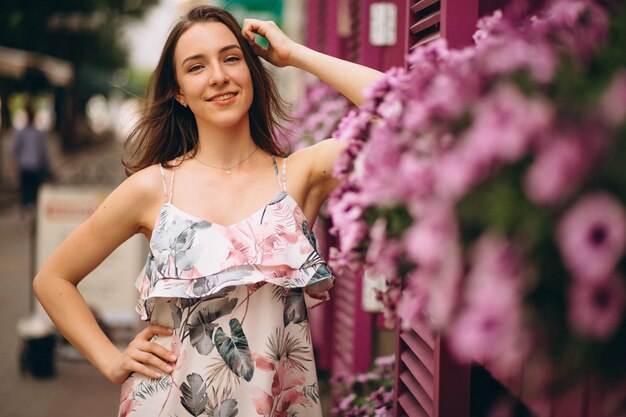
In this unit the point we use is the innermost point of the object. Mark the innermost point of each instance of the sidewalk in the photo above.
(78, 389)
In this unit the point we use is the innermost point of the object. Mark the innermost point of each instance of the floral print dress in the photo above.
(237, 298)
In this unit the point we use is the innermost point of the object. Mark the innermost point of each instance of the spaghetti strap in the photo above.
(280, 185)
(283, 177)
(167, 195)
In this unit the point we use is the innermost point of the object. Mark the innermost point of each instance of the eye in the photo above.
(232, 58)
(194, 68)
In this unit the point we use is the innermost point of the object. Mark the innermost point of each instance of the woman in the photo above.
(232, 258)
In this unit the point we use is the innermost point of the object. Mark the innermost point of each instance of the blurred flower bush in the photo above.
(369, 394)
(316, 117)
(487, 185)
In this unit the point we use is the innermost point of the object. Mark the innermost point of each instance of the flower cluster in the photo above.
(369, 394)
(315, 118)
(487, 186)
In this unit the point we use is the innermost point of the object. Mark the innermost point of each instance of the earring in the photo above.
(184, 103)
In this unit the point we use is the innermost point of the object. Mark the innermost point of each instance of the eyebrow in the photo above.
(196, 56)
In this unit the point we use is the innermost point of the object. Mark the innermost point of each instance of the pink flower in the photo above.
(505, 55)
(412, 304)
(506, 124)
(495, 260)
(580, 24)
(556, 171)
(613, 103)
(592, 237)
(596, 310)
(457, 171)
(430, 236)
(489, 328)
(383, 254)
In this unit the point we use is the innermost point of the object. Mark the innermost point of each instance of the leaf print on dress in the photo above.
(221, 376)
(282, 344)
(234, 275)
(234, 350)
(294, 307)
(227, 408)
(201, 328)
(286, 357)
(173, 245)
(194, 397)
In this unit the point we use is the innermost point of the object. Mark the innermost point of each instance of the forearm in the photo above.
(346, 77)
(73, 318)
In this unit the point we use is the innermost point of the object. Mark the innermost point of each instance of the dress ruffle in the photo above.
(206, 287)
(191, 258)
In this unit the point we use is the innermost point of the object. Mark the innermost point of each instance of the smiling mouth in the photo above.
(223, 97)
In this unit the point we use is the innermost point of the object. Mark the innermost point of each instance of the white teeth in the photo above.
(223, 97)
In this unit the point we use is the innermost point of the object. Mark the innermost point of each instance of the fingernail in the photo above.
(157, 375)
(173, 357)
(168, 368)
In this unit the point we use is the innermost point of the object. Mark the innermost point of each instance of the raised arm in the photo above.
(118, 218)
(346, 77)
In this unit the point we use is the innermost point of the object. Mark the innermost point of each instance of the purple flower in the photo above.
(506, 124)
(427, 241)
(412, 303)
(511, 53)
(489, 328)
(383, 254)
(596, 310)
(613, 103)
(580, 24)
(592, 237)
(457, 171)
(556, 171)
(495, 260)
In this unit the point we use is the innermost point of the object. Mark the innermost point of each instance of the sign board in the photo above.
(109, 289)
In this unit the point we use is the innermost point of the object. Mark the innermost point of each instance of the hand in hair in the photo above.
(280, 45)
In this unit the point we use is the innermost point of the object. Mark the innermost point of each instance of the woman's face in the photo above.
(212, 75)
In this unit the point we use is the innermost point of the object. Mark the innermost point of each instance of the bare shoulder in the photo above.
(319, 159)
(137, 200)
(315, 164)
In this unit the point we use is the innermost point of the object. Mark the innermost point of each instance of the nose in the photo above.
(218, 76)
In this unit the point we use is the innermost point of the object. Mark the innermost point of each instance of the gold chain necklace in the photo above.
(228, 170)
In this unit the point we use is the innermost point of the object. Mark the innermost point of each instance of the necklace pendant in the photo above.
(228, 171)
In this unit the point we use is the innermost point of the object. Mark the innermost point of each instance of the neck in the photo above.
(224, 147)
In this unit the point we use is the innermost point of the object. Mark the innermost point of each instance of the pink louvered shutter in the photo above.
(424, 22)
(429, 383)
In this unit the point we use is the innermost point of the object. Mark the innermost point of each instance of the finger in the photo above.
(144, 370)
(252, 26)
(160, 351)
(154, 330)
(147, 358)
(145, 346)
(260, 51)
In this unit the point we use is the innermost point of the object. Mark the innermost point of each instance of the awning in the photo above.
(15, 62)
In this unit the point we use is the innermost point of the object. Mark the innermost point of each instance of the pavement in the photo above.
(77, 389)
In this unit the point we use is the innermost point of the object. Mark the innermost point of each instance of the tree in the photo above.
(85, 32)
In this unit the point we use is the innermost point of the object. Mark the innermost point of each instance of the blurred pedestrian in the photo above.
(233, 263)
(30, 161)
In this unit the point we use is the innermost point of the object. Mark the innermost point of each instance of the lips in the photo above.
(223, 96)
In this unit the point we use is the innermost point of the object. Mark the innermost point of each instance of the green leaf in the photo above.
(201, 329)
(294, 308)
(234, 350)
(227, 408)
(194, 397)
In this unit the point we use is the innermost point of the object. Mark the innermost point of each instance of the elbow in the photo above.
(37, 284)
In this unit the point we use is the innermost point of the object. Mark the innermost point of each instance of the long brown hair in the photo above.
(167, 130)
